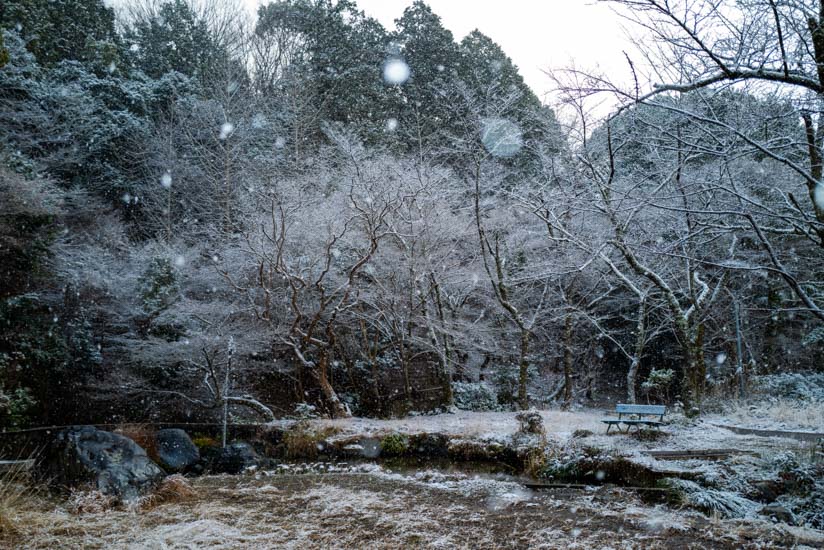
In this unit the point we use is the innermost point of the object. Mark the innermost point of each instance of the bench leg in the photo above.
(608, 427)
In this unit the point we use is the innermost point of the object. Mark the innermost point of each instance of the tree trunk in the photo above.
(739, 352)
(523, 367)
(694, 374)
(632, 379)
(568, 361)
(336, 407)
(446, 382)
(446, 352)
(640, 340)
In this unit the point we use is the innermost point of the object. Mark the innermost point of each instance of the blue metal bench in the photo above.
(637, 415)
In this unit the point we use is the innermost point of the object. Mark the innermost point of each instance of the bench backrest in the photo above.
(651, 410)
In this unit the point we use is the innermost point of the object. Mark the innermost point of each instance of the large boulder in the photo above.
(175, 451)
(109, 462)
(235, 458)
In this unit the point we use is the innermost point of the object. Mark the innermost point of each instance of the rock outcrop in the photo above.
(175, 451)
(109, 462)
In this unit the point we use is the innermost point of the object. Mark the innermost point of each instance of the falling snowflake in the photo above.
(395, 72)
(226, 130)
(166, 180)
(818, 196)
(391, 124)
(501, 137)
(280, 143)
(721, 358)
(258, 121)
(180, 261)
(134, 48)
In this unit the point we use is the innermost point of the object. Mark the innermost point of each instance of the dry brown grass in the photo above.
(357, 511)
(174, 488)
(535, 462)
(18, 493)
(780, 413)
(89, 501)
(304, 440)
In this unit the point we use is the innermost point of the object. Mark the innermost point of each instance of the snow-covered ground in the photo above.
(338, 505)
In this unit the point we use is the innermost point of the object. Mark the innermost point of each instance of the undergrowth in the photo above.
(302, 441)
(394, 444)
(725, 504)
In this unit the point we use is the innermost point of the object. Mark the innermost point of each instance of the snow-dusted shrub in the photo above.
(158, 285)
(658, 383)
(713, 501)
(305, 411)
(803, 487)
(810, 510)
(475, 396)
(531, 422)
(807, 386)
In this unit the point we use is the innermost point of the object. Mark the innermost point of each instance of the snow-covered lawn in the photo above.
(680, 433)
(776, 414)
(466, 424)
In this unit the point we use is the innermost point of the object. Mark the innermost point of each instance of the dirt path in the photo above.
(800, 436)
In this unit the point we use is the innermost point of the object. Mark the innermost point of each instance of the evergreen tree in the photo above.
(424, 104)
(55, 30)
(341, 68)
(174, 39)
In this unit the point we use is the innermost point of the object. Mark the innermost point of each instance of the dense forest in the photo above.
(305, 212)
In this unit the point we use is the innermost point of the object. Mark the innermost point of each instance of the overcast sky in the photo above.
(536, 34)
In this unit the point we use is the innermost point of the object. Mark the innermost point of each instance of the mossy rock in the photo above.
(394, 445)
